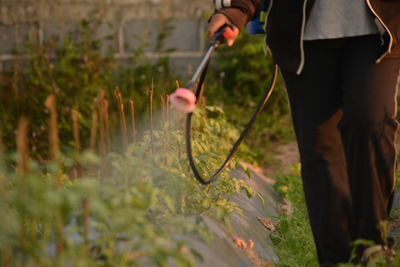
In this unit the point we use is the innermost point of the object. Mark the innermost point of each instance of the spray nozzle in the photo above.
(184, 100)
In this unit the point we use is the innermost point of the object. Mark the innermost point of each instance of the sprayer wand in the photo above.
(185, 100)
(223, 34)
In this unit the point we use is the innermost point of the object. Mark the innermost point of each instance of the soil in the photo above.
(283, 158)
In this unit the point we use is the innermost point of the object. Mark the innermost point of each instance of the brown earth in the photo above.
(284, 156)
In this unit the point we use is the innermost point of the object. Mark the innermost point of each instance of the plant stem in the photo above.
(22, 147)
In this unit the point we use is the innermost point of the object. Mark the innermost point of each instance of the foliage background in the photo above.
(76, 70)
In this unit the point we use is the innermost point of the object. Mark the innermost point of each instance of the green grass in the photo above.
(293, 240)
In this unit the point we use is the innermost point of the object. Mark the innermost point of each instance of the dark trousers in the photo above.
(343, 108)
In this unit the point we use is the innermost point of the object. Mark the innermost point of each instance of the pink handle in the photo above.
(184, 100)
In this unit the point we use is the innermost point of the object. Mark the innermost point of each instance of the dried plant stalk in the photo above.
(22, 146)
(77, 141)
(93, 131)
(102, 141)
(55, 156)
(122, 118)
(22, 169)
(132, 106)
(53, 128)
(151, 121)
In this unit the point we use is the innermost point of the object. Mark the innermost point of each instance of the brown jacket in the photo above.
(286, 21)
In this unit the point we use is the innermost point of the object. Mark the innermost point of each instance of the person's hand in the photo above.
(217, 21)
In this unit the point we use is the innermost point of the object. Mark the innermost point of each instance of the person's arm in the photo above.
(235, 13)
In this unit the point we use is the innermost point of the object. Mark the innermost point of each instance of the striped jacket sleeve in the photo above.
(239, 12)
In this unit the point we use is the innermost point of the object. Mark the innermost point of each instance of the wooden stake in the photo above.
(55, 156)
(22, 146)
(53, 128)
(122, 118)
(151, 122)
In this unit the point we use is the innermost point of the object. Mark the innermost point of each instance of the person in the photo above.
(340, 62)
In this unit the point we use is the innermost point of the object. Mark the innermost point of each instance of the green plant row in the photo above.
(128, 209)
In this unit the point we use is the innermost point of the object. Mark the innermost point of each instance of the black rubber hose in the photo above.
(246, 130)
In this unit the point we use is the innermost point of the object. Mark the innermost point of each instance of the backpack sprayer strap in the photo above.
(256, 25)
(201, 75)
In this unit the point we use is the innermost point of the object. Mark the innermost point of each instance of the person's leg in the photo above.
(368, 131)
(315, 100)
